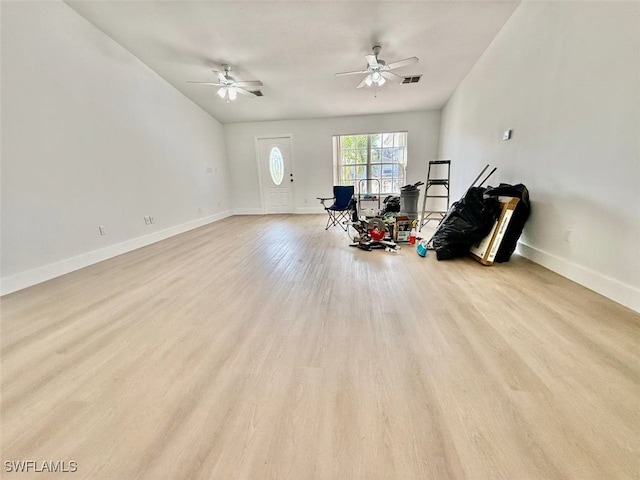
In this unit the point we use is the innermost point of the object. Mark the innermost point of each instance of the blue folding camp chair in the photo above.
(343, 207)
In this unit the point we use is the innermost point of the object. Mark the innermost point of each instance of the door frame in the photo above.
(257, 138)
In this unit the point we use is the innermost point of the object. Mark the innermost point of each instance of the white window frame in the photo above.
(370, 163)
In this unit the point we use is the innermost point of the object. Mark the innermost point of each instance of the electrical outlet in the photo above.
(102, 229)
(506, 135)
(209, 170)
(152, 219)
(147, 221)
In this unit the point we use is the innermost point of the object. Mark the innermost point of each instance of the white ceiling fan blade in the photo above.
(206, 83)
(221, 75)
(392, 77)
(363, 83)
(351, 73)
(403, 63)
(371, 60)
(244, 92)
(250, 83)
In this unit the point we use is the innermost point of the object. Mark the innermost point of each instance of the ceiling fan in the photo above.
(230, 87)
(378, 71)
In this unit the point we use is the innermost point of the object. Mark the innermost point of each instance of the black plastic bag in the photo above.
(391, 204)
(467, 222)
(518, 219)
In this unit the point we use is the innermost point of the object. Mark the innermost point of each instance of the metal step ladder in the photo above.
(436, 188)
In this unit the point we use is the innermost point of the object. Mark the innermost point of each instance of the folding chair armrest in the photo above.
(322, 200)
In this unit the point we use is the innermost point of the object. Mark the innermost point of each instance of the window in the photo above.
(360, 158)
(276, 166)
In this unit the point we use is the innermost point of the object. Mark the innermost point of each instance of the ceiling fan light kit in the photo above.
(228, 93)
(378, 71)
(230, 87)
(376, 78)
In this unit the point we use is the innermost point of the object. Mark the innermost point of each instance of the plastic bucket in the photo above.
(409, 203)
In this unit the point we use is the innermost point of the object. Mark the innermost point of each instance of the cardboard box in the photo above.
(485, 251)
(402, 229)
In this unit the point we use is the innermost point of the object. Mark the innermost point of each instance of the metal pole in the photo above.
(478, 177)
(487, 178)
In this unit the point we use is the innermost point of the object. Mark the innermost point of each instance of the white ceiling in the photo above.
(296, 47)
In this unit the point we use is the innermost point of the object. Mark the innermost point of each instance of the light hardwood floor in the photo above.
(266, 348)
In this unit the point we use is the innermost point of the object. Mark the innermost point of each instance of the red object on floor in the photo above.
(376, 234)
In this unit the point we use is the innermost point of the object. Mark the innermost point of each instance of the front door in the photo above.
(274, 158)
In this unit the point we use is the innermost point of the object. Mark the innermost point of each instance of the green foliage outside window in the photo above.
(381, 156)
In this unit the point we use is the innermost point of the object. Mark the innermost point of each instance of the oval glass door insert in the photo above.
(276, 166)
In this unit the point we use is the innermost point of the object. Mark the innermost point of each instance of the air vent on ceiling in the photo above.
(414, 79)
(257, 93)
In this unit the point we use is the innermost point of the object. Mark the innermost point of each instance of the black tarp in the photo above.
(467, 222)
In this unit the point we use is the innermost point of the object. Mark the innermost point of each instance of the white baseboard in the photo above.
(247, 211)
(609, 287)
(53, 270)
(258, 211)
(308, 210)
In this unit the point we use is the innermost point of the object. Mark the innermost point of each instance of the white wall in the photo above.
(312, 153)
(566, 77)
(91, 136)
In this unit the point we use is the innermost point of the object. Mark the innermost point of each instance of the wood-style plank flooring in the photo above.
(266, 348)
